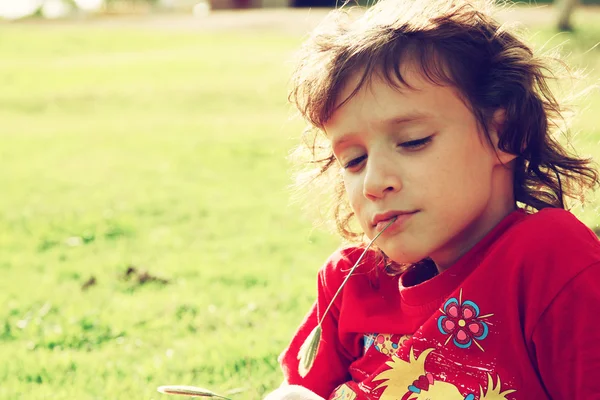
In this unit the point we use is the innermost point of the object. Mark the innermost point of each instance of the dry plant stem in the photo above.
(308, 350)
(353, 268)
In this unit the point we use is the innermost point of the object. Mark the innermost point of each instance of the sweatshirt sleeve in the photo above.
(330, 368)
(567, 339)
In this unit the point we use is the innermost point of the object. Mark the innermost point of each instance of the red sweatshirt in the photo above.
(513, 318)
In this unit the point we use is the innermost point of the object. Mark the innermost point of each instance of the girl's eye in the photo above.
(354, 162)
(415, 144)
(411, 145)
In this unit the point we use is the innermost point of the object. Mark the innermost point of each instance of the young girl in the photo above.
(484, 287)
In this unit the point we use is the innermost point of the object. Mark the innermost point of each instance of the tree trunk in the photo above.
(566, 8)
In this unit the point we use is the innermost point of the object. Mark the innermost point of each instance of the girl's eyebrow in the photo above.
(388, 122)
(336, 143)
(406, 118)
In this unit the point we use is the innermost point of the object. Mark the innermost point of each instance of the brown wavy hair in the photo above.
(457, 43)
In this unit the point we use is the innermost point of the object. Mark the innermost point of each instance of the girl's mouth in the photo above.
(400, 221)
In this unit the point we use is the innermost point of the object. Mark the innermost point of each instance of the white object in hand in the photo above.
(191, 391)
(293, 392)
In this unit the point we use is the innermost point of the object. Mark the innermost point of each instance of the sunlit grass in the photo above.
(163, 151)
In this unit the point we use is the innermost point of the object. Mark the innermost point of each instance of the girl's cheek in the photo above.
(348, 188)
(353, 191)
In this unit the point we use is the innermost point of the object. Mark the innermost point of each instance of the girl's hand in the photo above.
(293, 392)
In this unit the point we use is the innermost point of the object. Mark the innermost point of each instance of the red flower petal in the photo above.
(453, 311)
(468, 313)
(448, 325)
(461, 335)
(475, 328)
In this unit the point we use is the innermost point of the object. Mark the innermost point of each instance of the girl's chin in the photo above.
(402, 258)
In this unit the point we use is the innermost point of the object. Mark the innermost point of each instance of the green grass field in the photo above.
(164, 151)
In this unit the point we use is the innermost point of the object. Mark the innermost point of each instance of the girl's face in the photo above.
(419, 152)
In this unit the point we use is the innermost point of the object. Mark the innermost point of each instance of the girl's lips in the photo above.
(400, 220)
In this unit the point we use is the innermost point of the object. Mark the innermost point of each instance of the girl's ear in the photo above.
(496, 128)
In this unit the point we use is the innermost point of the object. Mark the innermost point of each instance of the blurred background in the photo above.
(147, 234)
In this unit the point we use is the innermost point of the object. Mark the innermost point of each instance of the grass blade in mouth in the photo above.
(310, 347)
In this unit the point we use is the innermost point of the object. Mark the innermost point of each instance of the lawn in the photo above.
(146, 226)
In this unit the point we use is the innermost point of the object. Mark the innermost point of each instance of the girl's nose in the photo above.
(382, 176)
